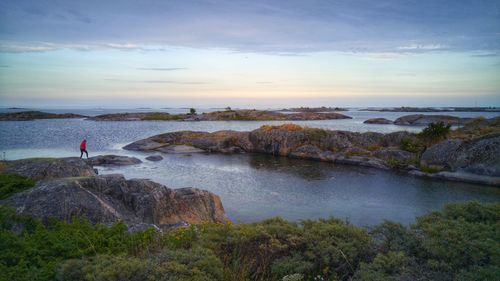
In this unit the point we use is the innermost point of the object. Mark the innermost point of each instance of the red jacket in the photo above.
(83, 145)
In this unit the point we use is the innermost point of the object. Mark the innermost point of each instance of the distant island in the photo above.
(432, 109)
(314, 109)
(33, 115)
(226, 115)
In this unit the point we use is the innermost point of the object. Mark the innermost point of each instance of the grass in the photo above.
(11, 184)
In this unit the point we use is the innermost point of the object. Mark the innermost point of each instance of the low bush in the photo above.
(435, 132)
(458, 243)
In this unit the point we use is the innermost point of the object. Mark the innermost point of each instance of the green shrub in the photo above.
(412, 145)
(435, 132)
(460, 242)
(10, 184)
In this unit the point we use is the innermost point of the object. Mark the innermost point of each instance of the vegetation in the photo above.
(435, 132)
(460, 242)
(412, 144)
(161, 116)
(10, 184)
(192, 111)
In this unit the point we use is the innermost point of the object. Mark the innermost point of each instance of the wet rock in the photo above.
(378, 121)
(46, 168)
(154, 158)
(105, 160)
(110, 198)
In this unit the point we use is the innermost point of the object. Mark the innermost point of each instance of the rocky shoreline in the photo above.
(474, 160)
(421, 120)
(70, 187)
(433, 109)
(227, 115)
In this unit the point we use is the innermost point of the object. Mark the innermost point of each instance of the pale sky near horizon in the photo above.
(249, 53)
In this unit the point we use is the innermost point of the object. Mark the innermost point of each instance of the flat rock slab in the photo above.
(47, 168)
(179, 149)
(104, 160)
(154, 158)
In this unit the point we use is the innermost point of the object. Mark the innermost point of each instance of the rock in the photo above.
(110, 198)
(104, 160)
(441, 155)
(154, 158)
(395, 138)
(46, 168)
(137, 116)
(179, 149)
(307, 152)
(424, 120)
(394, 154)
(378, 121)
(479, 156)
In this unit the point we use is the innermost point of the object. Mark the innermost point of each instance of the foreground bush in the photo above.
(461, 242)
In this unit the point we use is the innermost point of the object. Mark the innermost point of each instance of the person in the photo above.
(83, 148)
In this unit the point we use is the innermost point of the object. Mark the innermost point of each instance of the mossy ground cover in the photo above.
(460, 242)
(10, 184)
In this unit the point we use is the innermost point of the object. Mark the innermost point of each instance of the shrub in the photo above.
(412, 145)
(459, 242)
(435, 132)
(192, 111)
(10, 184)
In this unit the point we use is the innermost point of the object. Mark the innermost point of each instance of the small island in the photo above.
(226, 115)
(34, 115)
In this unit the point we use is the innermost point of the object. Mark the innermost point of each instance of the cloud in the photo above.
(423, 47)
(159, 81)
(174, 82)
(288, 28)
(162, 68)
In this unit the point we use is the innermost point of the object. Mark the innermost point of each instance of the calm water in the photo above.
(254, 187)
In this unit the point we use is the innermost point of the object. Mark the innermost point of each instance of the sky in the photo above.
(249, 53)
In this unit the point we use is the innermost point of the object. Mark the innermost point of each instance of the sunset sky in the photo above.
(249, 53)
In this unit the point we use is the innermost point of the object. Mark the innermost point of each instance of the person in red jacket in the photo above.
(83, 148)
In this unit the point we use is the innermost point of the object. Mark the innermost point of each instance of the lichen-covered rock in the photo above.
(46, 168)
(394, 154)
(441, 155)
(479, 156)
(117, 160)
(110, 198)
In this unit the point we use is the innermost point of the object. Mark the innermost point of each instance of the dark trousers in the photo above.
(82, 151)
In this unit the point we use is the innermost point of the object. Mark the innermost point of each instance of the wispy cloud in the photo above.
(159, 81)
(162, 68)
(423, 47)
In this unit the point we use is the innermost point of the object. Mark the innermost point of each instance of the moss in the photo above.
(11, 184)
(430, 169)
